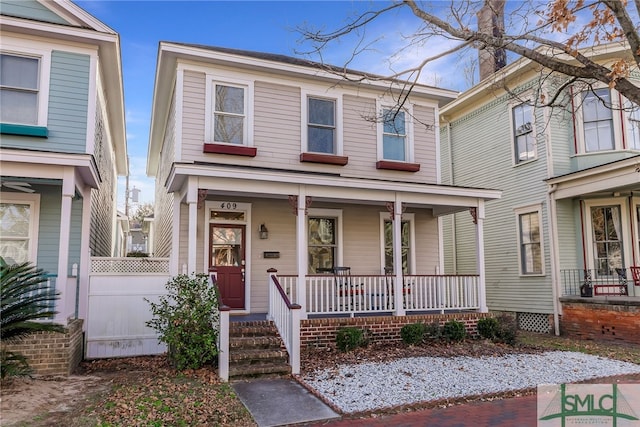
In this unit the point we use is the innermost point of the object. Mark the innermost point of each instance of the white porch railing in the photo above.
(328, 294)
(286, 317)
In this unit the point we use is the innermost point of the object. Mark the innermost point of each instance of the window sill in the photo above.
(398, 166)
(236, 150)
(328, 159)
(24, 130)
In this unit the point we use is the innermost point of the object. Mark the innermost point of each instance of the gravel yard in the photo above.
(363, 387)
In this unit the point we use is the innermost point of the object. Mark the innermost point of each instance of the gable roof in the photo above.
(519, 72)
(38, 18)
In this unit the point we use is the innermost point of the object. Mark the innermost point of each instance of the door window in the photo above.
(226, 246)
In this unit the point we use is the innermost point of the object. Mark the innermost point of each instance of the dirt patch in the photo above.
(25, 400)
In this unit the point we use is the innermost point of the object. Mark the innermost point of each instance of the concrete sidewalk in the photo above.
(281, 401)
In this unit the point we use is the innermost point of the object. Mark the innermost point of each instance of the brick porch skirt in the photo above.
(52, 353)
(321, 333)
(601, 318)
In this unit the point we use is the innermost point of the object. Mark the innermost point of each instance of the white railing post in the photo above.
(223, 344)
(295, 339)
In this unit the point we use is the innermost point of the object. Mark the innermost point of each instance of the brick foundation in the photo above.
(52, 353)
(601, 319)
(321, 333)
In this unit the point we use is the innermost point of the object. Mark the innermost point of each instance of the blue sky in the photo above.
(266, 26)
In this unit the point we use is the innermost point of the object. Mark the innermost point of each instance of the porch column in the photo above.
(174, 253)
(303, 258)
(482, 292)
(192, 202)
(68, 191)
(398, 297)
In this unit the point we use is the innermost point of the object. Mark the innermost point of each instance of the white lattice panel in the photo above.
(534, 322)
(129, 265)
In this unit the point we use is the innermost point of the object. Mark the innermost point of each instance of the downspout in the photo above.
(555, 272)
(453, 216)
(553, 226)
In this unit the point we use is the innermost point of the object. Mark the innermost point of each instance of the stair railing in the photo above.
(286, 316)
(223, 331)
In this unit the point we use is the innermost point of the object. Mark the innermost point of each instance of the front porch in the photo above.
(350, 295)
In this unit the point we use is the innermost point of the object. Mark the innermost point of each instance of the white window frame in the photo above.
(33, 200)
(514, 148)
(622, 202)
(579, 122)
(384, 104)
(411, 218)
(629, 128)
(209, 125)
(10, 47)
(337, 215)
(528, 210)
(304, 108)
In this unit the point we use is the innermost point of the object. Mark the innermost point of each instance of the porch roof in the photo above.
(443, 199)
(619, 176)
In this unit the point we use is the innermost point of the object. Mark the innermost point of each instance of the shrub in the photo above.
(433, 331)
(454, 330)
(186, 320)
(349, 338)
(25, 301)
(507, 331)
(488, 328)
(413, 333)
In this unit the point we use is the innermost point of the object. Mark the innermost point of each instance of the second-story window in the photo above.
(19, 78)
(633, 126)
(523, 133)
(394, 135)
(321, 125)
(597, 120)
(229, 114)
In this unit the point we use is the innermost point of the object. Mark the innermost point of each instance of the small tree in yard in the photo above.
(26, 302)
(186, 320)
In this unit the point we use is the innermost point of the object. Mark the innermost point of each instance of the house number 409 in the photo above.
(228, 205)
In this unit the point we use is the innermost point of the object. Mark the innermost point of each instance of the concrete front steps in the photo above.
(256, 350)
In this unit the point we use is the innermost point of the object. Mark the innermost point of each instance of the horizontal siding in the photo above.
(49, 227)
(278, 125)
(424, 125)
(569, 233)
(30, 9)
(68, 102)
(482, 157)
(67, 107)
(193, 116)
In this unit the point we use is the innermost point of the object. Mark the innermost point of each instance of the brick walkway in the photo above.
(517, 411)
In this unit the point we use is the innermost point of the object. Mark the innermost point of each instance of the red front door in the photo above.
(226, 254)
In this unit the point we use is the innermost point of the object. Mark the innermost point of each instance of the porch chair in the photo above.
(622, 280)
(347, 290)
(635, 275)
(390, 281)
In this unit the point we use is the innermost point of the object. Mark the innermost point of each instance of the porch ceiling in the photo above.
(279, 184)
(616, 177)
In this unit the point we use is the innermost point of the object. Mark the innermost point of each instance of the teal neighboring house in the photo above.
(62, 142)
(568, 222)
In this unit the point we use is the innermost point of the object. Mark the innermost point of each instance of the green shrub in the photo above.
(25, 301)
(413, 333)
(186, 320)
(433, 331)
(507, 331)
(454, 330)
(349, 338)
(488, 328)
